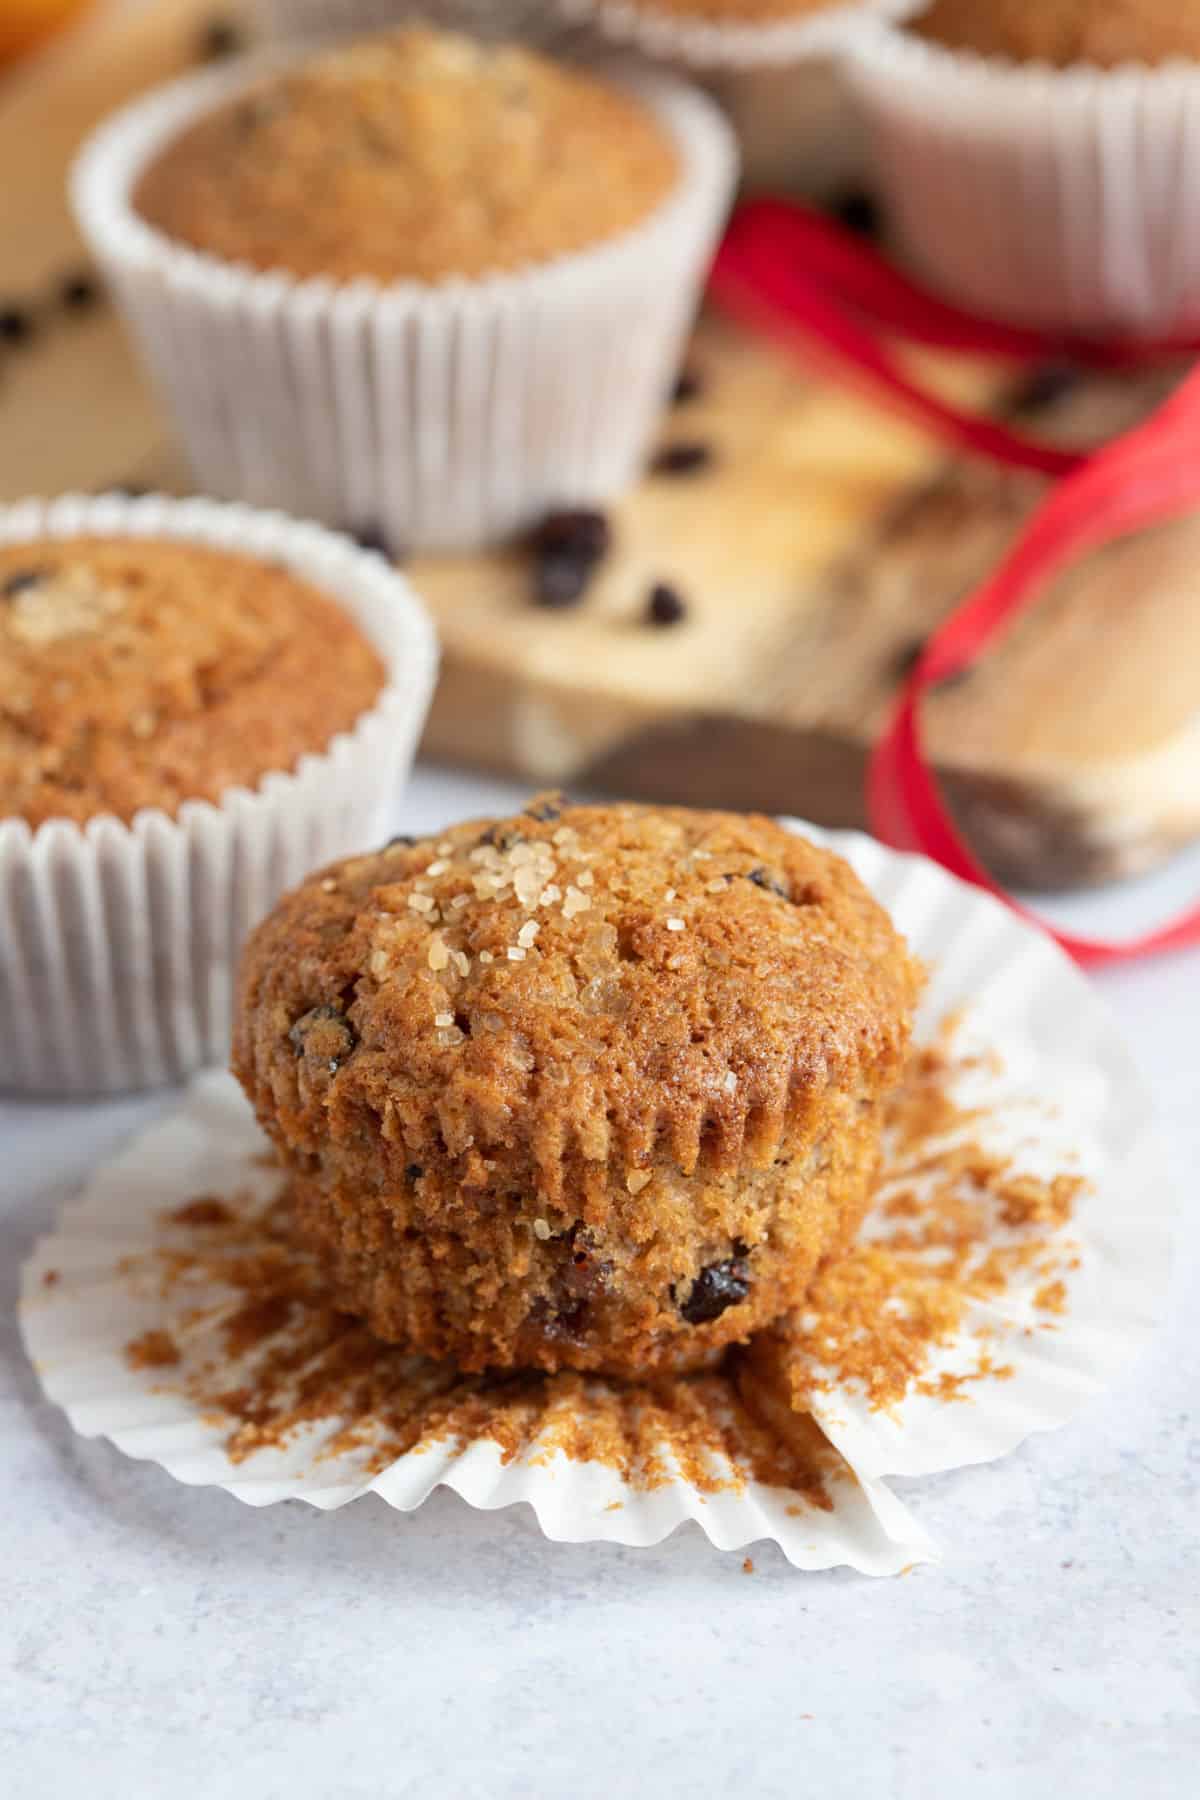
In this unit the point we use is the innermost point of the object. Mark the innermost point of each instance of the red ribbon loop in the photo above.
(799, 275)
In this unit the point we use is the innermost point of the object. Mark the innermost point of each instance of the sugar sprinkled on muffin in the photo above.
(141, 672)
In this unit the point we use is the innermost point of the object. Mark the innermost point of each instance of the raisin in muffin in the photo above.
(1104, 33)
(415, 155)
(590, 1087)
(138, 672)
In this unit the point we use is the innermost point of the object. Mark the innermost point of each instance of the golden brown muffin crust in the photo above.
(1104, 33)
(664, 1029)
(740, 12)
(414, 155)
(145, 672)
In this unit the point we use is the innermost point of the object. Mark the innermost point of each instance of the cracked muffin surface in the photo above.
(144, 672)
(591, 1087)
(414, 155)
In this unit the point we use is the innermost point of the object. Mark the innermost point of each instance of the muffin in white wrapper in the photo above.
(446, 414)
(687, 39)
(143, 1263)
(530, 21)
(1059, 198)
(118, 942)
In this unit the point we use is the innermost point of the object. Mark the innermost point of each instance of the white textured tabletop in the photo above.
(157, 1640)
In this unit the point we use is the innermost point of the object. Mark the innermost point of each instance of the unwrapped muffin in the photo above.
(586, 1087)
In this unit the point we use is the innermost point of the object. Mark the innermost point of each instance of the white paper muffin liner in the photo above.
(118, 943)
(445, 415)
(709, 44)
(1062, 198)
(1068, 1094)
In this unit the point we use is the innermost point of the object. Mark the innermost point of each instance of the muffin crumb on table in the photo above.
(591, 1087)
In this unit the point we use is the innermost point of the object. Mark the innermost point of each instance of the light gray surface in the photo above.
(158, 1640)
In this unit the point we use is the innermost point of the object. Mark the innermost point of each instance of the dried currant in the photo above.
(762, 879)
(219, 38)
(689, 386)
(79, 290)
(567, 546)
(1045, 386)
(715, 1289)
(561, 579)
(19, 581)
(859, 212)
(665, 605)
(545, 810)
(580, 531)
(682, 459)
(324, 1035)
(586, 1273)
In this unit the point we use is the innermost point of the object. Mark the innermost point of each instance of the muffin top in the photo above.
(415, 155)
(1063, 32)
(739, 12)
(605, 983)
(145, 672)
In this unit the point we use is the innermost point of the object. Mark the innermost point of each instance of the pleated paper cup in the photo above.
(1048, 1084)
(118, 942)
(1061, 198)
(689, 41)
(446, 415)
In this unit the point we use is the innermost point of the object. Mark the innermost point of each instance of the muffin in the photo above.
(589, 1087)
(530, 21)
(136, 673)
(728, 34)
(1103, 33)
(1036, 159)
(197, 704)
(414, 156)
(414, 283)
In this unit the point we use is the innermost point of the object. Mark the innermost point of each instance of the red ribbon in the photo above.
(802, 277)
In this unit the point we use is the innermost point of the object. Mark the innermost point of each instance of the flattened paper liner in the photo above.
(1029, 1004)
(118, 942)
(1061, 198)
(98, 1301)
(445, 415)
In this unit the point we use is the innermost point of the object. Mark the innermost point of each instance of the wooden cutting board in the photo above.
(821, 543)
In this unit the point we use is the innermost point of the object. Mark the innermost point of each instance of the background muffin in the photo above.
(589, 1087)
(197, 704)
(137, 673)
(417, 155)
(1036, 160)
(414, 285)
(1101, 32)
(727, 34)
